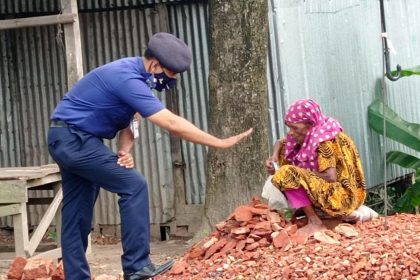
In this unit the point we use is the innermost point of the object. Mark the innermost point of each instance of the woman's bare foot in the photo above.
(314, 222)
(311, 228)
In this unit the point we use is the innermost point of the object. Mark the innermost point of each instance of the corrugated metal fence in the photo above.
(33, 80)
(330, 50)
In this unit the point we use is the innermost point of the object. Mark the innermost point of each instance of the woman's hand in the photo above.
(269, 166)
(274, 159)
(125, 159)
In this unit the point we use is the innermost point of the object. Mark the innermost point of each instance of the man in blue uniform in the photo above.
(99, 106)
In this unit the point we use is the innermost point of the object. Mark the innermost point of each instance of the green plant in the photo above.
(52, 235)
(405, 133)
(408, 72)
(376, 197)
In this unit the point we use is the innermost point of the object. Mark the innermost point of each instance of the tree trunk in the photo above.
(238, 101)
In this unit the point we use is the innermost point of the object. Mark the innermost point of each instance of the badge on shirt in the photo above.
(135, 127)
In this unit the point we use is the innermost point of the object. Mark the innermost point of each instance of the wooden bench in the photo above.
(15, 182)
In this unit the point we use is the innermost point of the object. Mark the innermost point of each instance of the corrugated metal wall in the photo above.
(33, 80)
(190, 22)
(22, 7)
(33, 76)
(107, 36)
(330, 50)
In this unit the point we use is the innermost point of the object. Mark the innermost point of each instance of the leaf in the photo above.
(410, 199)
(403, 159)
(415, 199)
(408, 72)
(396, 128)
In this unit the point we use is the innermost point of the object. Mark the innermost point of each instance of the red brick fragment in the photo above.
(291, 229)
(195, 252)
(252, 247)
(229, 246)
(179, 267)
(262, 232)
(240, 230)
(240, 245)
(16, 268)
(38, 268)
(215, 247)
(254, 237)
(300, 237)
(243, 214)
(210, 242)
(259, 211)
(274, 217)
(276, 227)
(221, 225)
(281, 239)
(58, 273)
(266, 225)
(263, 242)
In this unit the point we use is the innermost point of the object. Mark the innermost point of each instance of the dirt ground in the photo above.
(105, 257)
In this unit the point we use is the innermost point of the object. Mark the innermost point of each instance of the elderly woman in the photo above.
(319, 165)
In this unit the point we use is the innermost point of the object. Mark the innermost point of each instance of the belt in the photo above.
(58, 123)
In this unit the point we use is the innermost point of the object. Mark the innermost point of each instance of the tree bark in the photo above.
(237, 101)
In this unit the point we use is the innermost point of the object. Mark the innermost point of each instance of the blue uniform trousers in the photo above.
(85, 164)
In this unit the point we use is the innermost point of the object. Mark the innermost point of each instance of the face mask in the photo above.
(163, 82)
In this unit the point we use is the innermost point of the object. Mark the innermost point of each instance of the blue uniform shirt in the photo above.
(105, 100)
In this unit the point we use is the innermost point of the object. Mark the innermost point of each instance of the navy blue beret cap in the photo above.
(171, 52)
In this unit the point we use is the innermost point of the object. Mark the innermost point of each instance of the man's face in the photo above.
(165, 79)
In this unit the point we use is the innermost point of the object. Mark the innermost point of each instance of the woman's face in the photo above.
(299, 130)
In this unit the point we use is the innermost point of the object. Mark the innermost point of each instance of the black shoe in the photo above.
(149, 271)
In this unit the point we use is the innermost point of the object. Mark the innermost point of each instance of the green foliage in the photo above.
(405, 133)
(52, 235)
(403, 159)
(396, 128)
(408, 72)
(286, 213)
(375, 198)
(410, 199)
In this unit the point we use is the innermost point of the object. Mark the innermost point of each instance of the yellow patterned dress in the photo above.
(340, 198)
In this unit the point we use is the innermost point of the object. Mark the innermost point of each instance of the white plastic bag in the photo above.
(362, 214)
(275, 197)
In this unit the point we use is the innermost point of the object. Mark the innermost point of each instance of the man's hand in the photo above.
(233, 140)
(186, 130)
(125, 159)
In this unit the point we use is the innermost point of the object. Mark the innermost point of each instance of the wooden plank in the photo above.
(57, 188)
(44, 223)
(13, 191)
(51, 254)
(37, 21)
(73, 43)
(7, 210)
(48, 179)
(26, 173)
(20, 224)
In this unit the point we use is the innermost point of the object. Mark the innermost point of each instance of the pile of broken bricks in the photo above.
(255, 242)
(35, 268)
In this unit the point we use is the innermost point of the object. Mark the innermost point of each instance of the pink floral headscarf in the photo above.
(323, 128)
